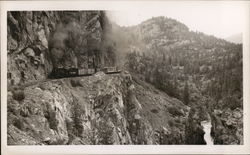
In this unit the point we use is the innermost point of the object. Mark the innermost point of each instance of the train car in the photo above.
(59, 73)
(83, 71)
(110, 70)
(91, 71)
(73, 72)
(88, 71)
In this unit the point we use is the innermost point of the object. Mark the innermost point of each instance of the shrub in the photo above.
(18, 95)
(171, 123)
(70, 128)
(42, 86)
(53, 121)
(177, 120)
(231, 102)
(75, 83)
(175, 111)
(18, 123)
(105, 135)
(154, 111)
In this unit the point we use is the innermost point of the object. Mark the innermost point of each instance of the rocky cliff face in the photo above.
(225, 123)
(101, 109)
(39, 41)
(122, 108)
(28, 41)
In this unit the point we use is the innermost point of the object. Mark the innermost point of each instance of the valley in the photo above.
(174, 86)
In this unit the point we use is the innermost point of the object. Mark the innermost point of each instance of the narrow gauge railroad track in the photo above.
(21, 86)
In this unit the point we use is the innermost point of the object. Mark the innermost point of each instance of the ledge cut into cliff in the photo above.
(39, 41)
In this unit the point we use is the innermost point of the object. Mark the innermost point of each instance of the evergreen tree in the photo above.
(186, 94)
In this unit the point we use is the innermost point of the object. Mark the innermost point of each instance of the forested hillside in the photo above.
(170, 80)
(203, 71)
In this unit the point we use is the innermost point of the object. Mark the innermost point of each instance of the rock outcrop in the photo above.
(41, 40)
(101, 109)
(227, 126)
(194, 130)
(119, 108)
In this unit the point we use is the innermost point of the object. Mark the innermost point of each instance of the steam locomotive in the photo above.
(74, 72)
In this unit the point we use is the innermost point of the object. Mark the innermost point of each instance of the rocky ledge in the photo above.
(98, 109)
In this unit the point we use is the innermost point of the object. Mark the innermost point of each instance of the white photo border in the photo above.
(118, 149)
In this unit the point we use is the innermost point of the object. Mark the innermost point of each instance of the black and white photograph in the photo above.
(167, 76)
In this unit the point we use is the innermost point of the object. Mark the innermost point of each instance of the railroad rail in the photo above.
(65, 74)
(58, 73)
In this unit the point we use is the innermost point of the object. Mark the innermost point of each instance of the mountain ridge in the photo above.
(235, 38)
(172, 20)
(99, 109)
(171, 80)
(184, 63)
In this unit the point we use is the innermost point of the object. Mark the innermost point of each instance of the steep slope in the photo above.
(97, 109)
(101, 109)
(203, 71)
(41, 40)
(169, 66)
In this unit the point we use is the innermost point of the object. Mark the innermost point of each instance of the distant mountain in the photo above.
(236, 38)
(203, 71)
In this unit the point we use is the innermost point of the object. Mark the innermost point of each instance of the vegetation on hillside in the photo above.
(187, 65)
(203, 71)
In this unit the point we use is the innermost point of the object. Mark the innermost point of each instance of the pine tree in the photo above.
(186, 94)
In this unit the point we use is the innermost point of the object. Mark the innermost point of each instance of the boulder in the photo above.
(29, 52)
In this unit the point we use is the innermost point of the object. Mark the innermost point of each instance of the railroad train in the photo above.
(74, 72)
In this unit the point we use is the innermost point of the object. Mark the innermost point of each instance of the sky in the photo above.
(219, 18)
